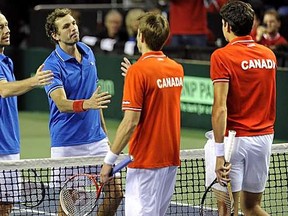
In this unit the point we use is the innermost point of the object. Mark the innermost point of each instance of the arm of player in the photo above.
(41, 78)
(219, 119)
(123, 135)
(103, 125)
(96, 101)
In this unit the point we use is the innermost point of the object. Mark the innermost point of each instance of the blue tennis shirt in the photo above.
(9, 123)
(79, 81)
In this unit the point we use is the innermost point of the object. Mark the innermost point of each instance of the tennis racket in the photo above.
(219, 198)
(32, 189)
(80, 193)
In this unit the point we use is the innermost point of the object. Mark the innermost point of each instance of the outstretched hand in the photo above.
(42, 78)
(97, 100)
(125, 64)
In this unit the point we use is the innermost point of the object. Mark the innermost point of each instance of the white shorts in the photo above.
(9, 181)
(250, 162)
(99, 148)
(149, 191)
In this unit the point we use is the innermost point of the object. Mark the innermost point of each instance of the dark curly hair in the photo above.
(239, 15)
(50, 26)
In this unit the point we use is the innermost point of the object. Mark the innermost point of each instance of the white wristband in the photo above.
(110, 158)
(219, 149)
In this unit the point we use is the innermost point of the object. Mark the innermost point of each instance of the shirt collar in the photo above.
(152, 54)
(3, 57)
(65, 57)
(242, 39)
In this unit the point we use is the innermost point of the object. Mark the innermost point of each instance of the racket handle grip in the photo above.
(121, 165)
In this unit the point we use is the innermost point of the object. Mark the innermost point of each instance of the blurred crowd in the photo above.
(194, 23)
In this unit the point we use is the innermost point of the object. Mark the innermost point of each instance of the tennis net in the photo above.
(34, 189)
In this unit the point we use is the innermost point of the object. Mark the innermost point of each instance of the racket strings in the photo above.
(79, 196)
(224, 198)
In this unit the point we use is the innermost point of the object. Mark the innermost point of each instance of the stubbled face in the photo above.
(272, 24)
(4, 32)
(67, 30)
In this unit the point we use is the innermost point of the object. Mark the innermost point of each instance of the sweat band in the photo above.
(219, 149)
(110, 158)
(78, 106)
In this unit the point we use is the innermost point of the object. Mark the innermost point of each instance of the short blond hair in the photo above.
(155, 30)
(132, 15)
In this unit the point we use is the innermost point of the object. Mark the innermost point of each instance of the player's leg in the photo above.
(9, 189)
(167, 191)
(236, 197)
(256, 174)
(112, 199)
(113, 190)
(5, 208)
(251, 204)
(144, 189)
(60, 211)
(133, 204)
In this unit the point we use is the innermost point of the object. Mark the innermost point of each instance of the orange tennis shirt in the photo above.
(250, 69)
(153, 87)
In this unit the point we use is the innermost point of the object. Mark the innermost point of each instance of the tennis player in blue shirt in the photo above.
(9, 123)
(76, 124)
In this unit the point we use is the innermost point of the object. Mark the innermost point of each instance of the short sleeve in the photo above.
(133, 90)
(218, 69)
(57, 81)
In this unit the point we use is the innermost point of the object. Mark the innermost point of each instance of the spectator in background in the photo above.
(132, 22)
(188, 21)
(268, 34)
(113, 26)
(113, 32)
(255, 27)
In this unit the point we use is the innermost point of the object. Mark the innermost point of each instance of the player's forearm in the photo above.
(219, 118)
(123, 135)
(8, 89)
(103, 124)
(69, 106)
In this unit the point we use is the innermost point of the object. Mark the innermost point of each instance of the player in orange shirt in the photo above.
(151, 122)
(243, 75)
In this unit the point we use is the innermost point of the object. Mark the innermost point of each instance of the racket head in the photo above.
(217, 200)
(32, 192)
(80, 194)
(224, 196)
(206, 206)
